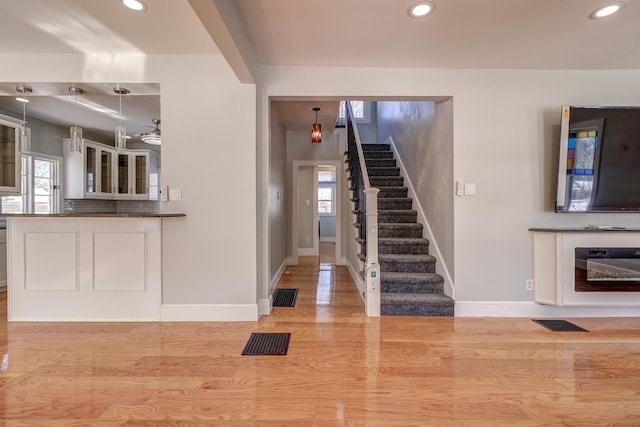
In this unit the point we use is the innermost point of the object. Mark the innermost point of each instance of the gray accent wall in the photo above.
(423, 134)
(277, 194)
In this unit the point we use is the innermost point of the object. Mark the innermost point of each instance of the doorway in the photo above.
(316, 215)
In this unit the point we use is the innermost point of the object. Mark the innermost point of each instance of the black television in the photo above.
(599, 162)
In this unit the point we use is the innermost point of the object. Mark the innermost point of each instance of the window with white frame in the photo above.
(326, 192)
(361, 111)
(39, 187)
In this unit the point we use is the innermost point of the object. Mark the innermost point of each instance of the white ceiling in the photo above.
(537, 34)
(299, 115)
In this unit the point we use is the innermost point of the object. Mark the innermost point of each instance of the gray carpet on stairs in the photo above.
(408, 282)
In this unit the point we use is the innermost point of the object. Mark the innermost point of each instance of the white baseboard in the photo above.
(531, 309)
(209, 313)
(307, 252)
(356, 279)
(264, 306)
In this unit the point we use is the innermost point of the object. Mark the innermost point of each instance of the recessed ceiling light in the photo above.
(135, 5)
(421, 9)
(607, 10)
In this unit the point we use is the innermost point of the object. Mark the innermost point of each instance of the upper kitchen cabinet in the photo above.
(101, 172)
(9, 156)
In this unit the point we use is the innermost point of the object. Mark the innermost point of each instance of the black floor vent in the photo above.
(267, 344)
(559, 325)
(285, 297)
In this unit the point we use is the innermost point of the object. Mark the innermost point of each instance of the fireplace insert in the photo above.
(607, 269)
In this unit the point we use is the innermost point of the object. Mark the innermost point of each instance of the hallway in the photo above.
(342, 369)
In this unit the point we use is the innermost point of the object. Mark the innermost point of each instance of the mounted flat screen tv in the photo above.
(599, 162)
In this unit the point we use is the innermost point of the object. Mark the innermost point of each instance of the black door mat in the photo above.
(267, 344)
(559, 325)
(285, 297)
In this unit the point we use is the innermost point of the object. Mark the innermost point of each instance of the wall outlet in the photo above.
(529, 284)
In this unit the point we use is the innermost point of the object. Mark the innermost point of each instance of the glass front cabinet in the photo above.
(100, 171)
(9, 156)
(133, 174)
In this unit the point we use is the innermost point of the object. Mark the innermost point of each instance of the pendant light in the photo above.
(25, 132)
(75, 132)
(316, 129)
(121, 132)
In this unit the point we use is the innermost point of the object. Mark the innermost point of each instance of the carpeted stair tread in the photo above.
(397, 216)
(386, 181)
(395, 203)
(381, 163)
(406, 229)
(392, 192)
(383, 171)
(377, 155)
(376, 147)
(399, 304)
(411, 283)
(395, 245)
(422, 263)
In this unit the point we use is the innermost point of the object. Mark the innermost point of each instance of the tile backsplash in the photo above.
(85, 206)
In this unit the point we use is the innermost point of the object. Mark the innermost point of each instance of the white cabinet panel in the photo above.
(53, 262)
(118, 269)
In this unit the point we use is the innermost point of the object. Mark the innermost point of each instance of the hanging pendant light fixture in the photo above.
(25, 132)
(316, 129)
(121, 132)
(75, 132)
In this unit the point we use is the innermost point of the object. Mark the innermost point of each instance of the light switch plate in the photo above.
(164, 193)
(470, 189)
(175, 194)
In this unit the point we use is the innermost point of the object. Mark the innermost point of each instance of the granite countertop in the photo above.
(98, 215)
(588, 229)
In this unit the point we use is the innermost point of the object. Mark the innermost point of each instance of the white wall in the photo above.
(209, 135)
(305, 207)
(369, 131)
(423, 135)
(505, 138)
(277, 194)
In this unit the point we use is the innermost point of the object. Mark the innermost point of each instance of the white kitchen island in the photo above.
(84, 267)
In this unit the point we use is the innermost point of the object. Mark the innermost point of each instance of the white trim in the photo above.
(315, 235)
(441, 266)
(357, 280)
(308, 252)
(531, 309)
(264, 306)
(341, 261)
(209, 313)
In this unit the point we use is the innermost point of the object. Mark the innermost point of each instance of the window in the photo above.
(39, 187)
(361, 111)
(326, 192)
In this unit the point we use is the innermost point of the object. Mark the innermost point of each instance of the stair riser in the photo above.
(399, 248)
(408, 267)
(381, 163)
(392, 193)
(383, 171)
(389, 181)
(376, 147)
(378, 155)
(410, 310)
(401, 205)
(412, 288)
(400, 232)
(395, 218)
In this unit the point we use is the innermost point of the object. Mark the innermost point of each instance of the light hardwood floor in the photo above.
(343, 369)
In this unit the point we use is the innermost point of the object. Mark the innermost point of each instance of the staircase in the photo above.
(409, 285)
